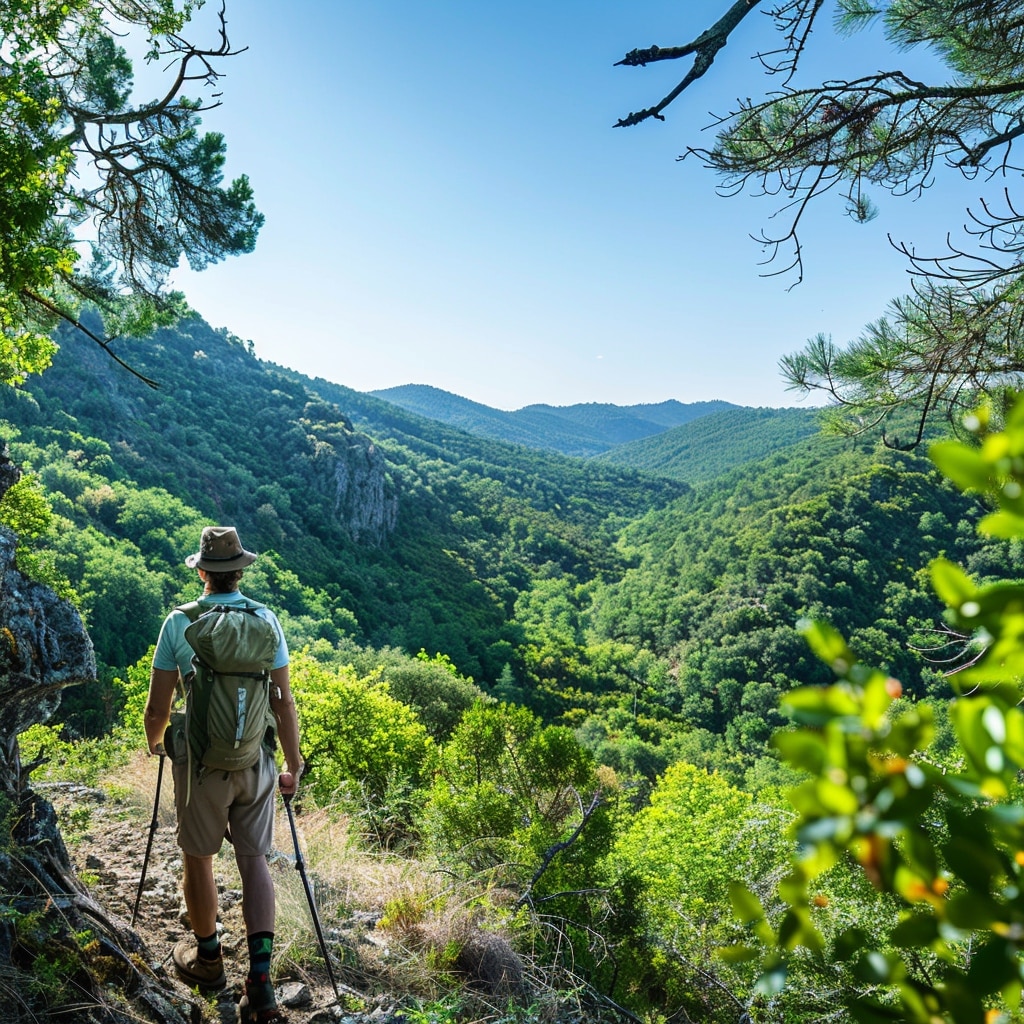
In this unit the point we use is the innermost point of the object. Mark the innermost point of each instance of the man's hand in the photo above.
(288, 783)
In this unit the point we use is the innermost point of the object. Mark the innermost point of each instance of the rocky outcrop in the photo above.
(45, 909)
(351, 470)
(43, 648)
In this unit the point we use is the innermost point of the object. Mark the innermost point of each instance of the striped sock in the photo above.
(261, 945)
(209, 947)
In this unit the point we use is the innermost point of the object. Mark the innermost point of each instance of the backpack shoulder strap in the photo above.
(195, 608)
(191, 610)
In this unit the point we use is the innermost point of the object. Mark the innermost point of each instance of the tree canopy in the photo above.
(84, 166)
(957, 332)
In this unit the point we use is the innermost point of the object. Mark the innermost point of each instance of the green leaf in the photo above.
(1003, 524)
(849, 943)
(874, 968)
(802, 749)
(915, 930)
(815, 704)
(738, 954)
(962, 1001)
(962, 464)
(951, 583)
(969, 911)
(867, 1011)
(828, 644)
(772, 982)
(992, 967)
(745, 904)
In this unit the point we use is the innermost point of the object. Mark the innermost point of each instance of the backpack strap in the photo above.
(196, 608)
(192, 610)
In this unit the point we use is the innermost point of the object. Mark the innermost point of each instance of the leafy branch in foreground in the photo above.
(947, 844)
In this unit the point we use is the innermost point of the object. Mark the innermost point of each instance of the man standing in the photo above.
(213, 803)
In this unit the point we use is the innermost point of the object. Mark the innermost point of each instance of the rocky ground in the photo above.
(107, 840)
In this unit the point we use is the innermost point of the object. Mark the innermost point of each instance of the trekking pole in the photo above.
(149, 843)
(301, 868)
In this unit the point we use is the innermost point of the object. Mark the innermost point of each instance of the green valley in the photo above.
(588, 627)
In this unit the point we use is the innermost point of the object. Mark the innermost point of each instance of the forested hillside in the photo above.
(417, 536)
(710, 446)
(554, 575)
(832, 530)
(573, 587)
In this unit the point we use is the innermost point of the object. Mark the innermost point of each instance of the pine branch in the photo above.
(104, 343)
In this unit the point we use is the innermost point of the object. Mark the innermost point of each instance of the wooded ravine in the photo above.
(555, 680)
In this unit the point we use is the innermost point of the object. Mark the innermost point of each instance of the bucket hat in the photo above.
(220, 550)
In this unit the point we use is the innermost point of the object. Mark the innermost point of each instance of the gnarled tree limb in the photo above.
(705, 48)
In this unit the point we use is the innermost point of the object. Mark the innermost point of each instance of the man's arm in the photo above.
(283, 705)
(158, 707)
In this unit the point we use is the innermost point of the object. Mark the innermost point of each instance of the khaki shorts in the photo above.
(240, 803)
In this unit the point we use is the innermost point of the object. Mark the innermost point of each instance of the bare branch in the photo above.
(555, 849)
(104, 343)
(705, 48)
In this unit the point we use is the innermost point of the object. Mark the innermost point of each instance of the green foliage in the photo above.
(681, 852)
(507, 789)
(712, 445)
(25, 510)
(355, 735)
(431, 686)
(842, 531)
(154, 196)
(944, 843)
(695, 835)
(82, 761)
(134, 692)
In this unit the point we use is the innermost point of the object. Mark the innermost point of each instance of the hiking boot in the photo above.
(258, 1004)
(194, 970)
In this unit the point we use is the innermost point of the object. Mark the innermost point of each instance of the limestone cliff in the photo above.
(351, 470)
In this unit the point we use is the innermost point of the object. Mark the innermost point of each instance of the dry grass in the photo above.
(392, 924)
(135, 783)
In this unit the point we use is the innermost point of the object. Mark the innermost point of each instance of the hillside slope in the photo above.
(373, 523)
(708, 447)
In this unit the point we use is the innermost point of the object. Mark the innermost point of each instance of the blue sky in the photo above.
(447, 203)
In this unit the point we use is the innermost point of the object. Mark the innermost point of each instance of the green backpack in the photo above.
(227, 711)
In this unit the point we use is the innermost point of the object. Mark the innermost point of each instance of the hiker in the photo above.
(213, 804)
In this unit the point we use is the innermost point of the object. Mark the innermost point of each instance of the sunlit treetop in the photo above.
(102, 195)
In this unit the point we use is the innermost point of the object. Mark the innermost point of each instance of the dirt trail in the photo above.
(107, 843)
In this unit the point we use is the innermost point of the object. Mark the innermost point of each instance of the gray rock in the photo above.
(43, 648)
(294, 994)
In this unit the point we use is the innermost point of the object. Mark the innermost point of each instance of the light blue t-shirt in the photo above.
(173, 651)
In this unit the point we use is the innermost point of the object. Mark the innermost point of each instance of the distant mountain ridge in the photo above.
(581, 430)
